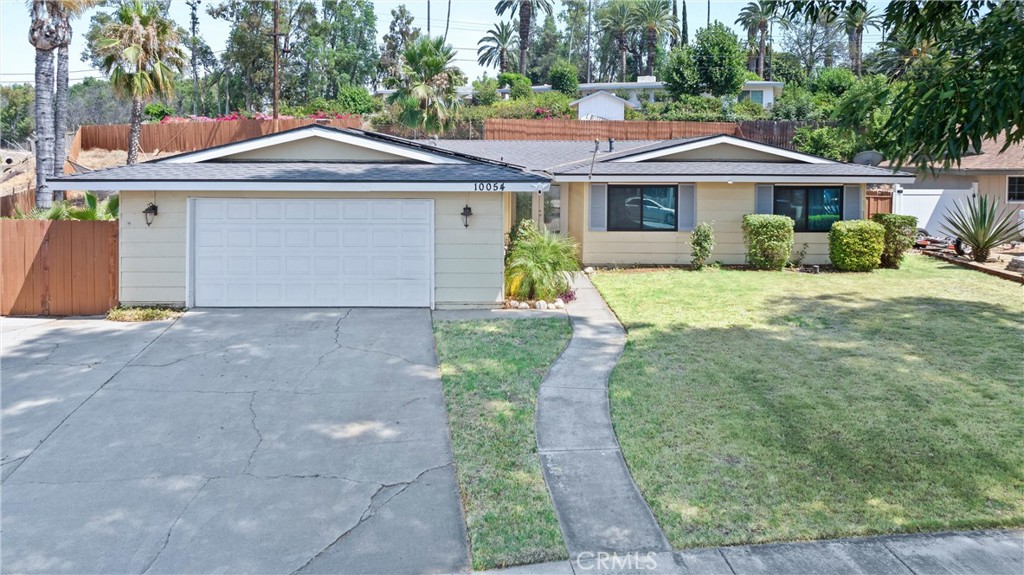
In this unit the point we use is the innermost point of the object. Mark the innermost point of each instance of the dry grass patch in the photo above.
(133, 314)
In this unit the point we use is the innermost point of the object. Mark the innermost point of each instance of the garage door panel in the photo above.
(283, 252)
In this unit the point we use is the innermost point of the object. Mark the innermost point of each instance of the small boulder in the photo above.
(559, 304)
(524, 305)
(588, 270)
(513, 304)
(1016, 264)
(541, 304)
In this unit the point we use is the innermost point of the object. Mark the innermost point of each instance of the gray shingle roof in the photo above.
(541, 154)
(705, 168)
(306, 172)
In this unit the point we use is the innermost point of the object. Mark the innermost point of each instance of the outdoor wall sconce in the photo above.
(466, 212)
(150, 212)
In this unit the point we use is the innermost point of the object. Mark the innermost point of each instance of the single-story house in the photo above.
(318, 216)
(601, 105)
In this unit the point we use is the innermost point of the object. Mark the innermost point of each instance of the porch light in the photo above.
(150, 212)
(466, 212)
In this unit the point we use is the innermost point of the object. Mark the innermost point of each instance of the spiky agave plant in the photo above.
(539, 264)
(980, 224)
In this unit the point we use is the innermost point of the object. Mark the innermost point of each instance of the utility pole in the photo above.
(590, 28)
(428, 18)
(277, 63)
(709, 13)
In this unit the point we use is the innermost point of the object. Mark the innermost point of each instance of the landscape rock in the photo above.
(513, 304)
(559, 304)
(1016, 264)
(588, 270)
(524, 305)
(542, 304)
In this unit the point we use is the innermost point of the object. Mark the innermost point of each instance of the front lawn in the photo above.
(769, 406)
(491, 370)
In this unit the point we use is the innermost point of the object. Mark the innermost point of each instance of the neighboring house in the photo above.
(996, 174)
(601, 106)
(319, 216)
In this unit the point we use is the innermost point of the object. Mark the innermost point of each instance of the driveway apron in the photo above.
(233, 441)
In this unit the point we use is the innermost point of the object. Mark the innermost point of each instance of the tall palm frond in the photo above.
(756, 17)
(617, 20)
(499, 46)
(526, 9)
(654, 19)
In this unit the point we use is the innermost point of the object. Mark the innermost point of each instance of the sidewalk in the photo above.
(993, 552)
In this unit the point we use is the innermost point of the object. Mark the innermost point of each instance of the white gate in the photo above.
(929, 206)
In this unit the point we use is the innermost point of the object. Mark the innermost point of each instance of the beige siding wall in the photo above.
(722, 152)
(313, 149)
(722, 204)
(468, 263)
(995, 186)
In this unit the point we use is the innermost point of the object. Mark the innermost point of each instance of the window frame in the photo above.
(807, 199)
(641, 186)
(1008, 178)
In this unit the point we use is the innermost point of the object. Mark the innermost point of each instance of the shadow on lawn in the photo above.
(902, 398)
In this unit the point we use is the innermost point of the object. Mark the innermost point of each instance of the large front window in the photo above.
(642, 208)
(813, 208)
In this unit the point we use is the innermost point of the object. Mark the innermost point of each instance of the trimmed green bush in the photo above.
(769, 240)
(702, 241)
(900, 232)
(564, 77)
(538, 263)
(856, 245)
(519, 86)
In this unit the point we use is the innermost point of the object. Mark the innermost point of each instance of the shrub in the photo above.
(685, 109)
(485, 91)
(519, 86)
(538, 263)
(900, 232)
(702, 241)
(833, 143)
(834, 81)
(769, 240)
(157, 111)
(544, 105)
(748, 110)
(795, 104)
(564, 77)
(856, 245)
(980, 225)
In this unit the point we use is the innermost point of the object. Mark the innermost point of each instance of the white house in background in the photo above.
(762, 92)
(601, 106)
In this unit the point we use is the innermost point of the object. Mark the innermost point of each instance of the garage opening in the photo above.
(312, 252)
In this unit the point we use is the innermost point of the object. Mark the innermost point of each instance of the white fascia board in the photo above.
(723, 139)
(256, 186)
(682, 178)
(312, 132)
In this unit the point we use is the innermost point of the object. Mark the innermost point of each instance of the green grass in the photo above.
(132, 314)
(761, 406)
(490, 371)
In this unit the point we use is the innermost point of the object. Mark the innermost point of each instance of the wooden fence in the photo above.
(57, 267)
(506, 129)
(189, 136)
(775, 133)
(878, 203)
(24, 200)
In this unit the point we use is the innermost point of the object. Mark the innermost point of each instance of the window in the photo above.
(813, 208)
(756, 96)
(642, 208)
(1015, 189)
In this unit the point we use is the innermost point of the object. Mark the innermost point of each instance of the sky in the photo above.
(470, 20)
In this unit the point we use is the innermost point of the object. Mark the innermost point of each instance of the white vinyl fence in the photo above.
(929, 206)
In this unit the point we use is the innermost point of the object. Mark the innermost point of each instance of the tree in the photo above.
(334, 49)
(547, 49)
(813, 42)
(16, 116)
(564, 77)
(575, 18)
(962, 93)
(684, 30)
(856, 19)
(617, 20)
(193, 41)
(485, 91)
(680, 74)
(427, 94)
(526, 9)
(400, 34)
(755, 17)
(141, 53)
(499, 47)
(92, 101)
(719, 60)
(63, 11)
(654, 19)
(45, 34)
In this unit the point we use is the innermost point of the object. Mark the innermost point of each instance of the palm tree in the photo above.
(653, 18)
(427, 93)
(141, 50)
(857, 18)
(45, 35)
(755, 17)
(617, 20)
(64, 11)
(499, 47)
(526, 9)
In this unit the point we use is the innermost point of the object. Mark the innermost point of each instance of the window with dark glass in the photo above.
(642, 208)
(1015, 189)
(813, 208)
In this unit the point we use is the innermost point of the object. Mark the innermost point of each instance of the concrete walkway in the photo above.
(962, 553)
(599, 507)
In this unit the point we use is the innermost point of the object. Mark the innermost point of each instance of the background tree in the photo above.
(16, 115)
(680, 73)
(44, 34)
(856, 19)
(333, 49)
(576, 35)
(400, 34)
(63, 11)
(427, 94)
(526, 9)
(684, 30)
(93, 101)
(142, 51)
(547, 49)
(499, 47)
(755, 17)
(653, 18)
(814, 42)
(719, 60)
(616, 19)
(564, 78)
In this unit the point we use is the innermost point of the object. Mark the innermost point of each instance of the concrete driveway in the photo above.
(229, 441)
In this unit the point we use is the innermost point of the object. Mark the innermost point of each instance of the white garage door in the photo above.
(281, 253)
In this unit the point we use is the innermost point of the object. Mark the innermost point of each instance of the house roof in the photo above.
(992, 158)
(539, 154)
(602, 94)
(719, 168)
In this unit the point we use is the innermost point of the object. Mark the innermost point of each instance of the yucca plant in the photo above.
(980, 224)
(539, 263)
